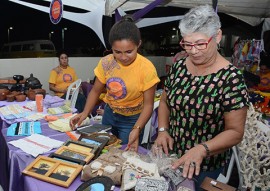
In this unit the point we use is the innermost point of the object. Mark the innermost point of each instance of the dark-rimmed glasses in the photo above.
(198, 46)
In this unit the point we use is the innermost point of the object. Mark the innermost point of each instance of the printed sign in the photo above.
(56, 11)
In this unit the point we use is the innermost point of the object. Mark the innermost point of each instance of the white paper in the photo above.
(36, 144)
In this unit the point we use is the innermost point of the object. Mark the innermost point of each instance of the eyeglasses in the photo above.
(198, 46)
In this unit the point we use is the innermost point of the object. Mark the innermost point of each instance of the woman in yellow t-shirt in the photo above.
(60, 79)
(264, 74)
(130, 81)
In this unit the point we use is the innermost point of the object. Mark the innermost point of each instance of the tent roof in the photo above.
(250, 11)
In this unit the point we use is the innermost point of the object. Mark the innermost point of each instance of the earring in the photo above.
(218, 46)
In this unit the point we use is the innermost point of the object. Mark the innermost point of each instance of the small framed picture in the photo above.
(67, 159)
(99, 142)
(112, 138)
(53, 171)
(74, 153)
(82, 146)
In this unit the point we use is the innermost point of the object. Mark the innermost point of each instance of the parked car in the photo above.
(28, 49)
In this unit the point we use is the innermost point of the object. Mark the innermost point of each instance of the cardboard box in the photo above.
(210, 184)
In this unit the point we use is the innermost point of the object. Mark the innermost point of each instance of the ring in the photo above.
(192, 164)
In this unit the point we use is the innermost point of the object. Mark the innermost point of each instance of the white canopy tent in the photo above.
(250, 11)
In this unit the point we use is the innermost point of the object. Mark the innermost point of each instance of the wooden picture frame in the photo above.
(67, 159)
(112, 138)
(79, 145)
(75, 153)
(99, 142)
(53, 171)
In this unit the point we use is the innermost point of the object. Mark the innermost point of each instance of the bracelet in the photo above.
(206, 148)
(137, 127)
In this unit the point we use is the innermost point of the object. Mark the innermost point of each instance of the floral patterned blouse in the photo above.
(197, 106)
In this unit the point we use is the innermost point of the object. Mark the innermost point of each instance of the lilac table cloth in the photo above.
(13, 161)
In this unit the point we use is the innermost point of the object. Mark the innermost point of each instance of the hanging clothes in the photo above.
(246, 52)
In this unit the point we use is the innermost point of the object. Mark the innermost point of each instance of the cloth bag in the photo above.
(108, 164)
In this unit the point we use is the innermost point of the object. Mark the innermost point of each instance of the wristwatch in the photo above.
(162, 129)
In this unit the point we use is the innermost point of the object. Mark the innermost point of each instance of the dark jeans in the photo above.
(80, 103)
(121, 125)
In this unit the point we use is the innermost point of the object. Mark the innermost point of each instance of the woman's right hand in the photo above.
(164, 141)
(77, 120)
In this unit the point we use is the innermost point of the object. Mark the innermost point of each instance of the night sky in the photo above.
(30, 24)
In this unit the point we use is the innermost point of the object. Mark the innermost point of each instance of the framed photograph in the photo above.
(112, 138)
(99, 142)
(73, 153)
(82, 146)
(53, 171)
(67, 159)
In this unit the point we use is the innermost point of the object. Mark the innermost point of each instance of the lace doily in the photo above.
(254, 153)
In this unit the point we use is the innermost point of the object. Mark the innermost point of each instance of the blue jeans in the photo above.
(121, 125)
(211, 174)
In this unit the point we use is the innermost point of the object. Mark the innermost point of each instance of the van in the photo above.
(28, 49)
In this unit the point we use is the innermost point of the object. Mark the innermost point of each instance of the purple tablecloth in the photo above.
(6, 123)
(13, 161)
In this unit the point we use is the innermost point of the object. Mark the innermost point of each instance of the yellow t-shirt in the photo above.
(265, 82)
(62, 78)
(125, 84)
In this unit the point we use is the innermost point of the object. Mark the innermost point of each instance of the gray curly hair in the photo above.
(202, 19)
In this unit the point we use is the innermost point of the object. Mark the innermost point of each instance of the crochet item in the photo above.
(14, 111)
(175, 176)
(147, 184)
(182, 188)
(254, 153)
(108, 164)
(61, 124)
(59, 110)
(134, 168)
(35, 116)
(54, 117)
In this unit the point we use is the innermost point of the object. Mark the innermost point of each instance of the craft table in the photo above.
(6, 123)
(13, 161)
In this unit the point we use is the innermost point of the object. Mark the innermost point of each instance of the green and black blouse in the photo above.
(197, 106)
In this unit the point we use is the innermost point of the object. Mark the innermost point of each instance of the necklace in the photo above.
(198, 77)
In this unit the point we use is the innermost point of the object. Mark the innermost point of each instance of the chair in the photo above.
(73, 91)
(234, 159)
(148, 127)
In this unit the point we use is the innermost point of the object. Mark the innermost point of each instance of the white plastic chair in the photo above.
(73, 91)
(148, 126)
(234, 159)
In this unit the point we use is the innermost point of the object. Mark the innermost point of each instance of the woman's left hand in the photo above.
(133, 141)
(191, 161)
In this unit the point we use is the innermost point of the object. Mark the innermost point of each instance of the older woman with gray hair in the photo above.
(203, 107)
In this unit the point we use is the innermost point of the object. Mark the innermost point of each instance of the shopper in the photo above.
(203, 107)
(130, 80)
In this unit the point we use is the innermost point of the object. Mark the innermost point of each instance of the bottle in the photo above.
(39, 102)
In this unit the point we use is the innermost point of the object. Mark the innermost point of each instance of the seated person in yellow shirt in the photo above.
(264, 74)
(60, 79)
